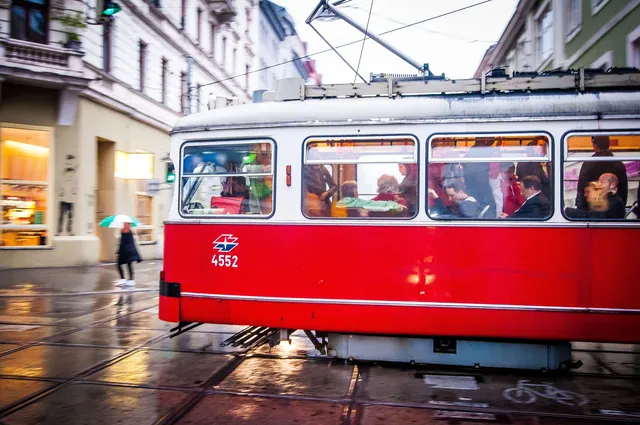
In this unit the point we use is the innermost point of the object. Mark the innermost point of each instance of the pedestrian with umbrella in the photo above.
(127, 251)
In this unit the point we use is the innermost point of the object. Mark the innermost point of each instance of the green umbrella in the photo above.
(117, 221)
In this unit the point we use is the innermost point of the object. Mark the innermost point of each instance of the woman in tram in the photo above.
(408, 185)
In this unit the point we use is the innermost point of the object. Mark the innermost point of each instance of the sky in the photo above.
(453, 45)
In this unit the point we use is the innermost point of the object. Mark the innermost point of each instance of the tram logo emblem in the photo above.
(225, 243)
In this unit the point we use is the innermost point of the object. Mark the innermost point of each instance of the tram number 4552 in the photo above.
(222, 260)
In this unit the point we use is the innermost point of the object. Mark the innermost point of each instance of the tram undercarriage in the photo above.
(542, 356)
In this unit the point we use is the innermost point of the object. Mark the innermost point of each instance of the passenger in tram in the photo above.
(510, 187)
(536, 148)
(198, 191)
(236, 188)
(477, 174)
(464, 206)
(350, 199)
(319, 187)
(260, 188)
(596, 202)
(409, 186)
(615, 206)
(592, 171)
(537, 205)
(388, 190)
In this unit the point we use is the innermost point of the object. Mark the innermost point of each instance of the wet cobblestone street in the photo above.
(100, 355)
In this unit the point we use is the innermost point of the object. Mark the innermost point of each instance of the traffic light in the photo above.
(105, 9)
(171, 173)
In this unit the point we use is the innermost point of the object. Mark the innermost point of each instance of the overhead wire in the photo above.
(366, 31)
(442, 15)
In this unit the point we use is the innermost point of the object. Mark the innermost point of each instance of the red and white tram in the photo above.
(390, 209)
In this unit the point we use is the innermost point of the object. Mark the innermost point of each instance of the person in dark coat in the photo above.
(539, 169)
(477, 174)
(537, 205)
(591, 171)
(127, 254)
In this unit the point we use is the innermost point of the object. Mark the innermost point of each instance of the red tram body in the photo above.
(554, 279)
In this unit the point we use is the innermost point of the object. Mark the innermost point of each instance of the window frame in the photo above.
(564, 159)
(546, 7)
(50, 221)
(150, 227)
(632, 38)
(364, 138)
(596, 8)
(45, 9)
(229, 142)
(533, 133)
(572, 32)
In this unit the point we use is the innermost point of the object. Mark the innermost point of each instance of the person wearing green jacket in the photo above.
(350, 200)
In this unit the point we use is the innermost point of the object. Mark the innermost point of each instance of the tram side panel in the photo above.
(500, 282)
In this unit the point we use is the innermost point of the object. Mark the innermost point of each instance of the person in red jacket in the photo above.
(513, 199)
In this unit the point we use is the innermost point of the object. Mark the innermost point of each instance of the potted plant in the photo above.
(73, 22)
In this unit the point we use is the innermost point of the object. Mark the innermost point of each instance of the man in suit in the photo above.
(537, 205)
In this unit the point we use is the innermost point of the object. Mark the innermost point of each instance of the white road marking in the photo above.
(451, 382)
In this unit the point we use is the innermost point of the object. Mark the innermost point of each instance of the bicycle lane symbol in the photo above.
(528, 393)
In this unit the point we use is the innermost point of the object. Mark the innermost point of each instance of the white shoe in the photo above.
(130, 283)
(121, 282)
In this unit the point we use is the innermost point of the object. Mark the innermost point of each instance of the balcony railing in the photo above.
(25, 54)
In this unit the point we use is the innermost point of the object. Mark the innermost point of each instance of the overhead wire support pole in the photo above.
(338, 53)
(374, 37)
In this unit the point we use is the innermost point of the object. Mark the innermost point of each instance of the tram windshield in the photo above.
(227, 178)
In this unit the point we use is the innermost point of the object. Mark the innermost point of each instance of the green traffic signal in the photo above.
(111, 9)
(171, 173)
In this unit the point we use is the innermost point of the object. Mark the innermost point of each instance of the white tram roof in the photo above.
(499, 99)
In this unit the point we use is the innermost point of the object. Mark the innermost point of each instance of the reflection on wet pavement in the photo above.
(223, 409)
(53, 361)
(96, 404)
(163, 368)
(12, 390)
(135, 374)
(119, 337)
(199, 341)
(29, 333)
(290, 376)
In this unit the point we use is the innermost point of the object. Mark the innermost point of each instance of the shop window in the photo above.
(24, 187)
(490, 177)
(144, 211)
(29, 20)
(601, 175)
(227, 179)
(360, 178)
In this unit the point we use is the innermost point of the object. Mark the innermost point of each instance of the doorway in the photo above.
(105, 198)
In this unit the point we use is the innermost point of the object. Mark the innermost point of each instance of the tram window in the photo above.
(221, 179)
(601, 176)
(360, 178)
(490, 177)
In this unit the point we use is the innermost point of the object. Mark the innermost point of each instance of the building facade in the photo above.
(279, 43)
(86, 110)
(545, 35)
